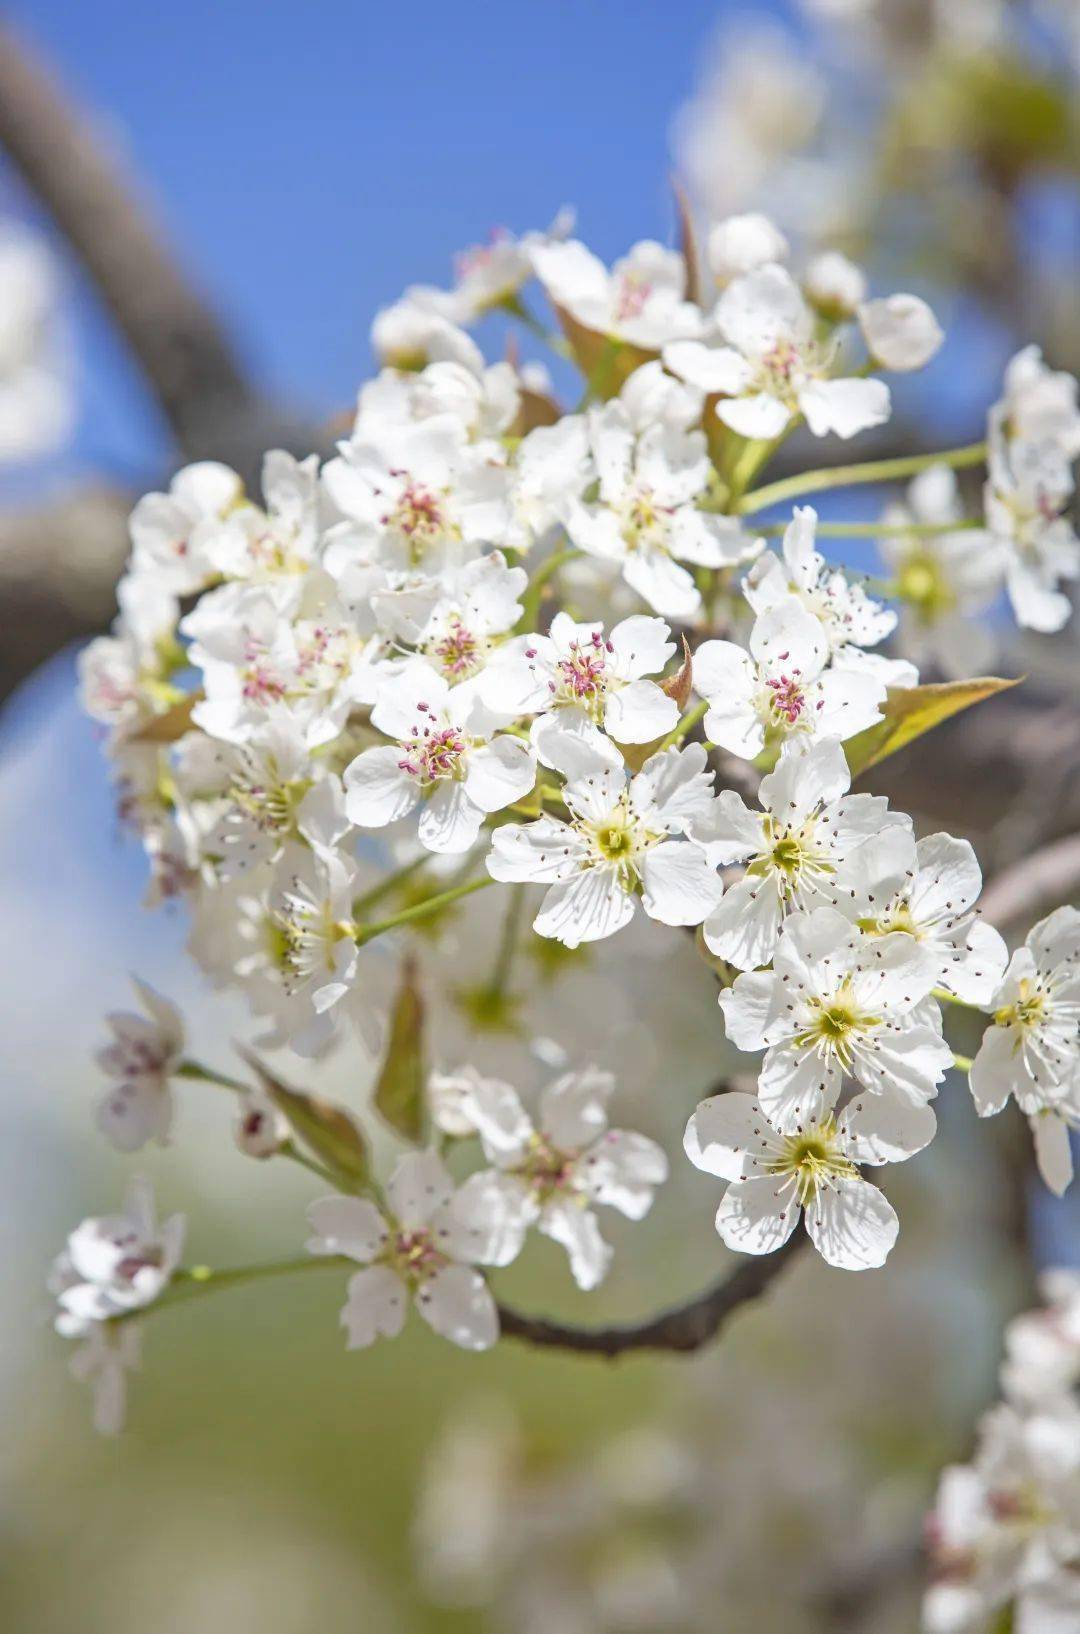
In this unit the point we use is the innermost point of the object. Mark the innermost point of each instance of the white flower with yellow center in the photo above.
(838, 1004)
(774, 1176)
(618, 845)
(797, 849)
(782, 688)
(425, 1248)
(646, 516)
(1031, 1050)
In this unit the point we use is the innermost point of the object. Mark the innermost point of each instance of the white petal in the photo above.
(541, 851)
(758, 1216)
(503, 771)
(640, 645)
(996, 1071)
(728, 1136)
(418, 1186)
(573, 1109)
(746, 1006)
(845, 407)
(796, 1088)
(458, 1304)
(1053, 1151)
(666, 586)
(885, 1129)
(449, 822)
(760, 416)
(803, 779)
(584, 908)
(728, 831)
(853, 1225)
(495, 1111)
(912, 1063)
(135, 1112)
(574, 1227)
(622, 1170)
(375, 1306)
(900, 331)
(678, 885)
(346, 1225)
(745, 926)
(377, 790)
(711, 368)
(485, 1221)
(640, 712)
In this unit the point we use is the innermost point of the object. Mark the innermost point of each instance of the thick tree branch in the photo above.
(681, 1329)
(208, 400)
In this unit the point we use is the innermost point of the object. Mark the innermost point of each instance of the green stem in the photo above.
(421, 910)
(386, 887)
(504, 957)
(516, 307)
(200, 1279)
(962, 1063)
(689, 720)
(847, 476)
(290, 1150)
(207, 1075)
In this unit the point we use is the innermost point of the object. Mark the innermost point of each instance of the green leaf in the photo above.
(911, 711)
(399, 1089)
(328, 1131)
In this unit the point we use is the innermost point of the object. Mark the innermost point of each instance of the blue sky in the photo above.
(312, 161)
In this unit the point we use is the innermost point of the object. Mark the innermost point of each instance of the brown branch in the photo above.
(211, 406)
(1044, 879)
(683, 1328)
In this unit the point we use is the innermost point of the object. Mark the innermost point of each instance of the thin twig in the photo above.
(683, 1328)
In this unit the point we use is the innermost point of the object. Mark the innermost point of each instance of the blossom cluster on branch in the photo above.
(493, 641)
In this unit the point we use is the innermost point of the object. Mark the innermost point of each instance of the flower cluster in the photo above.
(1005, 1530)
(492, 642)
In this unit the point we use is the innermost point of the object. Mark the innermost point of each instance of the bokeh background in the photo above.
(308, 162)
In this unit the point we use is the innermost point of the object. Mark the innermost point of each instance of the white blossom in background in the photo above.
(1029, 487)
(260, 1130)
(124, 676)
(838, 1004)
(414, 332)
(1031, 1050)
(782, 688)
(769, 366)
(446, 758)
(620, 843)
(144, 1053)
(797, 849)
(548, 1173)
(834, 285)
(585, 684)
(170, 532)
(37, 399)
(489, 274)
(425, 1249)
(645, 517)
(900, 331)
(773, 1175)
(740, 244)
(113, 1266)
(942, 581)
(1042, 1347)
(641, 300)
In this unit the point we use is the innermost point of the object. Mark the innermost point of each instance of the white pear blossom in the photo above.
(124, 675)
(250, 542)
(849, 617)
(144, 1054)
(769, 368)
(838, 1003)
(1006, 1528)
(617, 845)
(553, 467)
(900, 331)
(548, 1174)
(416, 497)
(774, 1174)
(943, 581)
(485, 401)
(1042, 1347)
(781, 688)
(1031, 1050)
(108, 1353)
(414, 332)
(444, 757)
(114, 1264)
(928, 890)
(1040, 404)
(586, 683)
(170, 532)
(489, 274)
(645, 517)
(740, 244)
(642, 300)
(426, 1247)
(797, 848)
(1028, 489)
(833, 285)
(459, 622)
(260, 1130)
